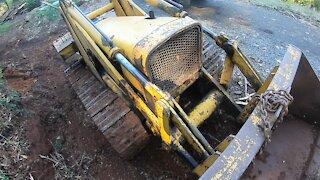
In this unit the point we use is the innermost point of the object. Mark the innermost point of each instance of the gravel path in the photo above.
(263, 33)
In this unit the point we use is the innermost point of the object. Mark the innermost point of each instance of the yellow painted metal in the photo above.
(65, 46)
(248, 109)
(267, 82)
(225, 143)
(97, 38)
(135, 8)
(118, 9)
(81, 49)
(193, 129)
(164, 118)
(200, 169)
(127, 38)
(239, 59)
(185, 127)
(138, 41)
(127, 8)
(156, 93)
(227, 71)
(76, 17)
(96, 52)
(139, 103)
(136, 38)
(159, 108)
(246, 67)
(205, 108)
(168, 8)
(149, 87)
(112, 84)
(187, 133)
(220, 87)
(68, 51)
(100, 11)
(177, 25)
(142, 38)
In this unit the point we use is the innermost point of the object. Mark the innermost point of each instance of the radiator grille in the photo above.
(174, 61)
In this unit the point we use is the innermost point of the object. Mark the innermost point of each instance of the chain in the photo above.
(270, 101)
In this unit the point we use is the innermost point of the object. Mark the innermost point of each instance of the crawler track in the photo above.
(213, 57)
(119, 124)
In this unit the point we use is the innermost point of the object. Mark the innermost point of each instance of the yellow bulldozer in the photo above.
(142, 75)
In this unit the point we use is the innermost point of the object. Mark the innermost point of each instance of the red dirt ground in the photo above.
(36, 71)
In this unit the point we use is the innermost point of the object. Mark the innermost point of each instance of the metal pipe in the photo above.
(210, 33)
(248, 141)
(222, 89)
(237, 58)
(106, 39)
(192, 139)
(100, 11)
(175, 4)
(125, 63)
(206, 107)
(105, 43)
(166, 7)
(178, 147)
(194, 129)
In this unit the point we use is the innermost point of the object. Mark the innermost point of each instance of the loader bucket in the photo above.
(294, 150)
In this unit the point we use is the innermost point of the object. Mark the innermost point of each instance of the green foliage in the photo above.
(49, 14)
(309, 3)
(31, 4)
(1, 76)
(9, 2)
(58, 144)
(4, 177)
(3, 8)
(293, 6)
(317, 4)
(5, 26)
(8, 98)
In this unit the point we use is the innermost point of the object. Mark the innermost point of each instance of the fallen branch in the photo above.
(245, 86)
(7, 6)
(241, 103)
(246, 97)
(50, 159)
(49, 4)
(30, 176)
(11, 13)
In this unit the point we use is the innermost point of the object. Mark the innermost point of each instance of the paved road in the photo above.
(263, 33)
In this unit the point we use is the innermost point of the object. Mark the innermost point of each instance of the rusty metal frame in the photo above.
(242, 150)
(87, 31)
(236, 156)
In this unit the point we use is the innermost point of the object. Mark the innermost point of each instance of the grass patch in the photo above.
(13, 147)
(9, 2)
(3, 8)
(5, 26)
(31, 4)
(74, 169)
(48, 15)
(9, 99)
(303, 10)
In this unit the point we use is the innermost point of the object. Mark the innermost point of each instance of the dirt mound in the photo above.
(63, 142)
